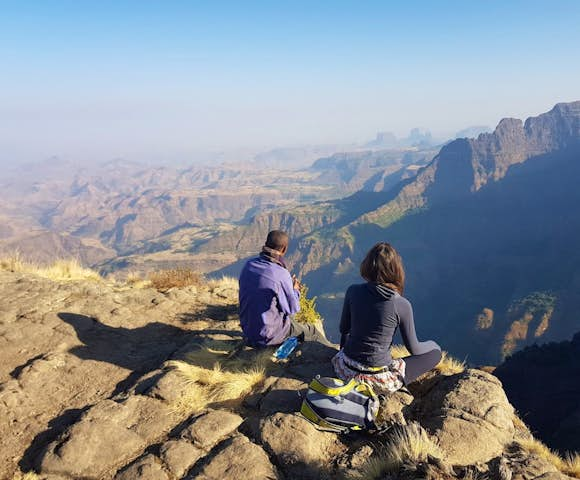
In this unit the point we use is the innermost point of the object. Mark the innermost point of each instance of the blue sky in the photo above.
(101, 79)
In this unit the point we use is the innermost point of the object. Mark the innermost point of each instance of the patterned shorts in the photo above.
(388, 379)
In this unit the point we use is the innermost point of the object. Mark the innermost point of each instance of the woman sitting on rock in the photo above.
(371, 314)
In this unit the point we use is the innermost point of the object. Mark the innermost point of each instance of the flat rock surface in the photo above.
(65, 346)
(146, 468)
(240, 458)
(303, 450)
(180, 456)
(87, 450)
(90, 389)
(211, 427)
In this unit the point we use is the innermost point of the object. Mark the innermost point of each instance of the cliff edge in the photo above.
(102, 380)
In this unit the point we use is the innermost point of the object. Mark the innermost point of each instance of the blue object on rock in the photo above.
(284, 350)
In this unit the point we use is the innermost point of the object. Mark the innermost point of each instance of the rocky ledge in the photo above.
(100, 382)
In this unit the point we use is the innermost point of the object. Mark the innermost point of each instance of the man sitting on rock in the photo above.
(270, 296)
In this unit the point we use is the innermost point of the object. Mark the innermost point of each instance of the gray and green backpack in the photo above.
(337, 406)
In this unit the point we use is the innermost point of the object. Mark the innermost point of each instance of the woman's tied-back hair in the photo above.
(384, 265)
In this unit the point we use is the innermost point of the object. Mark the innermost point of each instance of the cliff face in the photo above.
(123, 220)
(299, 222)
(481, 220)
(103, 381)
(465, 166)
(362, 170)
(247, 240)
(541, 382)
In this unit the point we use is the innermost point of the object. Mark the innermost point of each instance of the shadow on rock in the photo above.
(139, 349)
(30, 458)
(230, 350)
(220, 313)
(311, 359)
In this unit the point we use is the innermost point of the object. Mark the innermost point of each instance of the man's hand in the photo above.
(296, 283)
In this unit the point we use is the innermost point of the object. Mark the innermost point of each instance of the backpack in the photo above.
(336, 406)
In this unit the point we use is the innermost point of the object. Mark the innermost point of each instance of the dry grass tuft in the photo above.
(568, 464)
(399, 351)
(407, 443)
(12, 263)
(134, 280)
(519, 424)
(447, 366)
(25, 476)
(60, 270)
(571, 465)
(164, 280)
(223, 283)
(68, 270)
(213, 385)
(213, 375)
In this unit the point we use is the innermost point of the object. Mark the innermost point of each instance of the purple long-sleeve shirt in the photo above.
(267, 299)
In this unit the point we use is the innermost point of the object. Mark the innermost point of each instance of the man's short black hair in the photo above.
(277, 239)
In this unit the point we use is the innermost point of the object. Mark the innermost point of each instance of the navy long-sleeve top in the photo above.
(370, 317)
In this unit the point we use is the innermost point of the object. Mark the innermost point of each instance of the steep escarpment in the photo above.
(246, 240)
(467, 165)
(105, 381)
(121, 221)
(541, 382)
(475, 227)
(368, 170)
(299, 222)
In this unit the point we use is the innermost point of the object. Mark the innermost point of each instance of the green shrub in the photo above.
(307, 313)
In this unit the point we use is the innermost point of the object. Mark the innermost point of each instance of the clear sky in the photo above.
(109, 78)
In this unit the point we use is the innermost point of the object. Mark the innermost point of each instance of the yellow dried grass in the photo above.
(134, 280)
(60, 270)
(568, 464)
(180, 277)
(212, 376)
(25, 476)
(447, 366)
(206, 386)
(406, 443)
(519, 424)
(68, 270)
(223, 283)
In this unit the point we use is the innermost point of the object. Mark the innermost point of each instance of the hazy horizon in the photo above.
(147, 80)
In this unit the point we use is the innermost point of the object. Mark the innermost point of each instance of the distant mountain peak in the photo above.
(473, 131)
(508, 125)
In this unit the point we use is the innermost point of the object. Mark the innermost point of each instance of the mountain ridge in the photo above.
(501, 188)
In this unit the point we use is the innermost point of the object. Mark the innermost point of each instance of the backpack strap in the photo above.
(319, 387)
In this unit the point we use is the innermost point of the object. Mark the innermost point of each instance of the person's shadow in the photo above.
(139, 349)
